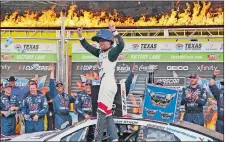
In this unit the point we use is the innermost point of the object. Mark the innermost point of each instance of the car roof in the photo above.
(37, 136)
(184, 133)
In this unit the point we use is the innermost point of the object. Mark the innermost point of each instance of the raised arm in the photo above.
(86, 45)
(212, 85)
(52, 81)
(115, 51)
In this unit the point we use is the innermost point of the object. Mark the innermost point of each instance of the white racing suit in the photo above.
(108, 88)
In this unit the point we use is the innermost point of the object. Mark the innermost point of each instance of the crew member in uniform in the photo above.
(107, 55)
(61, 102)
(194, 98)
(35, 106)
(219, 96)
(83, 103)
(10, 104)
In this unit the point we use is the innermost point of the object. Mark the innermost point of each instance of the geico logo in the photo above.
(170, 81)
(181, 68)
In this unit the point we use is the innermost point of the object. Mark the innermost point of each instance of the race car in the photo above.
(129, 129)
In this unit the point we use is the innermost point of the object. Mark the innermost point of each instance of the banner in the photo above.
(24, 57)
(157, 57)
(161, 104)
(162, 47)
(28, 47)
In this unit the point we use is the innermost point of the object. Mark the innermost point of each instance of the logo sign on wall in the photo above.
(171, 82)
(34, 66)
(174, 46)
(203, 67)
(161, 103)
(177, 68)
(28, 47)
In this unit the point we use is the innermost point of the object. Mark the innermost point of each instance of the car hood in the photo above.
(37, 136)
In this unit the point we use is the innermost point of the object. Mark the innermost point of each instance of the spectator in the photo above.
(61, 102)
(50, 114)
(219, 96)
(83, 103)
(35, 106)
(194, 98)
(10, 104)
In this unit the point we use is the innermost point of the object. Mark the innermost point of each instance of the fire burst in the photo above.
(90, 75)
(200, 14)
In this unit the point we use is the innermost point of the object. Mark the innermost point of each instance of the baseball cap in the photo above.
(104, 34)
(7, 85)
(59, 82)
(193, 75)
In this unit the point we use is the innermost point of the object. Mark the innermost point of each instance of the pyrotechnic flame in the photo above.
(200, 14)
(90, 75)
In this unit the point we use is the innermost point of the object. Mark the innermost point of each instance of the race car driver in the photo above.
(219, 96)
(107, 55)
(83, 103)
(9, 105)
(194, 98)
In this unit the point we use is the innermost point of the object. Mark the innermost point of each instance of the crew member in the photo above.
(10, 104)
(35, 106)
(219, 96)
(83, 103)
(194, 98)
(61, 102)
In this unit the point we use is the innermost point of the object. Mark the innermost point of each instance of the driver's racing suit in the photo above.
(108, 88)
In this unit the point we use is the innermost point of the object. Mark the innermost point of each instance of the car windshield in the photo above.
(63, 130)
(153, 134)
